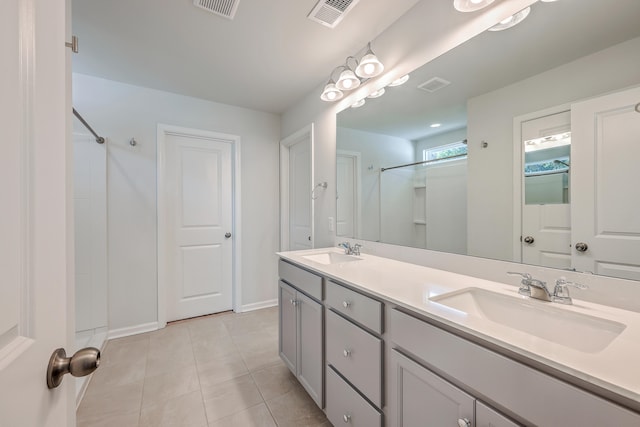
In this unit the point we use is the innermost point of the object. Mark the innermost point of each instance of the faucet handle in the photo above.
(525, 276)
(561, 293)
(524, 284)
(356, 249)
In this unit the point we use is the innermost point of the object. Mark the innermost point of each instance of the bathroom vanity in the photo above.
(378, 342)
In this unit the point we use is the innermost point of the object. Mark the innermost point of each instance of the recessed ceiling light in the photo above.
(398, 82)
(511, 21)
(436, 125)
(471, 5)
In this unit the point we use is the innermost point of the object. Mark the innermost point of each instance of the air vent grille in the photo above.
(434, 84)
(224, 8)
(330, 12)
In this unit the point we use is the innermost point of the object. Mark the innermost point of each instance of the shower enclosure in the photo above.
(90, 224)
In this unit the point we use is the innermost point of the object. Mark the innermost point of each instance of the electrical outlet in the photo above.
(331, 226)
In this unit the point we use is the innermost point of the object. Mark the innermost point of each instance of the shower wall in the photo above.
(90, 218)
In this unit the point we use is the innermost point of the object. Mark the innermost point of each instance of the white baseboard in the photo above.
(133, 330)
(259, 305)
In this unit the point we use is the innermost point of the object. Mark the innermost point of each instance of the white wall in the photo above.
(120, 112)
(440, 139)
(378, 151)
(490, 118)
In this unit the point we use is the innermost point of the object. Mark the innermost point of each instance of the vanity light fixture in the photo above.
(398, 82)
(358, 104)
(369, 66)
(511, 21)
(471, 5)
(350, 78)
(331, 92)
(377, 94)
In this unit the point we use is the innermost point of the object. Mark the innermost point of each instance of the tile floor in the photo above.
(216, 371)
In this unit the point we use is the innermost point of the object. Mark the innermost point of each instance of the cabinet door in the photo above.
(310, 352)
(287, 342)
(425, 400)
(487, 417)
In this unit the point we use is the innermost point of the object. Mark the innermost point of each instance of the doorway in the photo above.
(296, 202)
(198, 227)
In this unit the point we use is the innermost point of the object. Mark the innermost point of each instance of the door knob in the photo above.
(227, 234)
(529, 240)
(82, 363)
(581, 247)
(463, 422)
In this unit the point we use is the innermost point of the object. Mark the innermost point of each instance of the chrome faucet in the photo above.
(350, 250)
(533, 288)
(561, 293)
(537, 289)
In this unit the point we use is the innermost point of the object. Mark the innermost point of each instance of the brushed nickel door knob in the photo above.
(581, 247)
(529, 240)
(82, 363)
(227, 235)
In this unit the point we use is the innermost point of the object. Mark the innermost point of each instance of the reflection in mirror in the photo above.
(504, 101)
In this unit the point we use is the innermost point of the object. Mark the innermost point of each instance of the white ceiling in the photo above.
(267, 58)
(553, 34)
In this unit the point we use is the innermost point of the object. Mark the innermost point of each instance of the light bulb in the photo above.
(331, 95)
(368, 68)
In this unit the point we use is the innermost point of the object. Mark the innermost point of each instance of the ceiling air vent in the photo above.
(434, 84)
(330, 12)
(224, 8)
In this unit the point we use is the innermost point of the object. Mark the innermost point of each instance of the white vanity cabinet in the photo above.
(301, 326)
(354, 357)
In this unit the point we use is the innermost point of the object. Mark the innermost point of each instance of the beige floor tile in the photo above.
(208, 327)
(244, 323)
(123, 350)
(207, 349)
(115, 374)
(220, 369)
(229, 397)
(257, 416)
(98, 404)
(183, 411)
(129, 419)
(169, 359)
(296, 409)
(163, 387)
(274, 381)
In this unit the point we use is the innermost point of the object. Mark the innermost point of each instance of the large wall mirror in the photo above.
(519, 145)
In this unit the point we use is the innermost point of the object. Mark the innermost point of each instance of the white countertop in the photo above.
(615, 368)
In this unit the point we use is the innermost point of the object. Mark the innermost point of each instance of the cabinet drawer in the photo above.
(487, 417)
(346, 407)
(356, 306)
(500, 379)
(304, 280)
(356, 354)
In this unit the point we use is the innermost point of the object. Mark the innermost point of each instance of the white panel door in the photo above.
(198, 189)
(605, 191)
(547, 226)
(550, 228)
(300, 196)
(36, 244)
(347, 195)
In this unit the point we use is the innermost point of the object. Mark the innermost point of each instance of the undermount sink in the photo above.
(581, 332)
(330, 258)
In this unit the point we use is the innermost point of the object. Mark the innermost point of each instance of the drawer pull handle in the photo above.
(346, 418)
(346, 353)
(293, 302)
(346, 304)
(463, 422)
